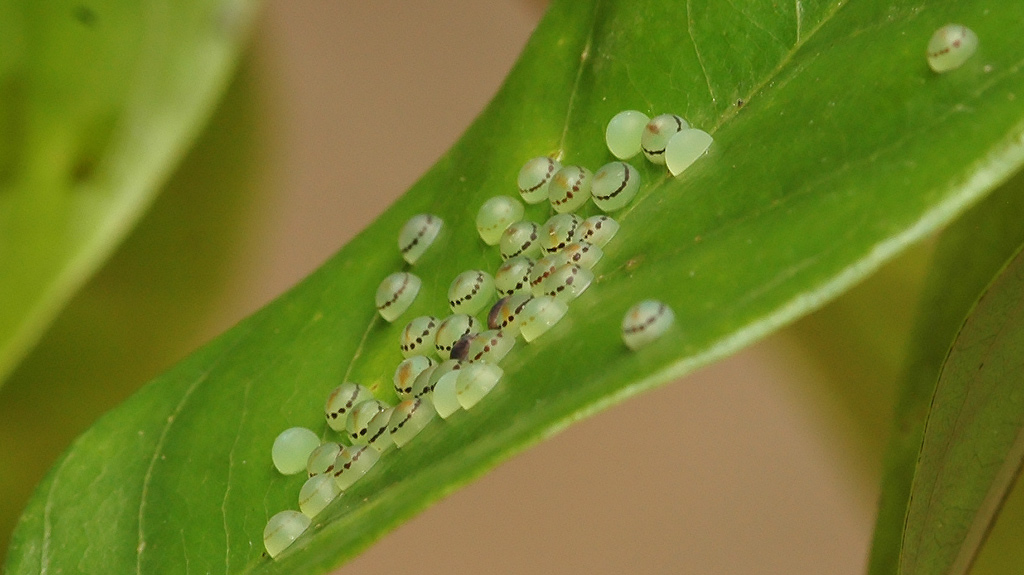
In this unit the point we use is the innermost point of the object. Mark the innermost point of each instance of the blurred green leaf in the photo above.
(98, 101)
(972, 450)
(969, 254)
(820, 171)
(856, 347)
(149, 305)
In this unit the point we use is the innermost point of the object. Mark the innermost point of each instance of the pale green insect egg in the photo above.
(422, 385)
(490, 346)
(559, 231)
(543, 269)
(407, 372)
(495, 215)
(513, 276)
(292, 448)
(360, 426)
(567, 283)
(409, 418)
(341, 400)
(353, 463)
(282, 530)
(476, 381)
(657, 133)
(321, 460)
(519, 239)
(419, 335)
(540, 315)
(685, 148)
(451, 330)
(446, 369)
(417, 234)
(505, 315)
(615, 185)
(646, 322)
(316, 493)
(623, 133)
(396, 293)
(569, 189)
(446, 402)
(470, 292)
(534, 178)
(599, 230)
(951, 46)
(583, 254)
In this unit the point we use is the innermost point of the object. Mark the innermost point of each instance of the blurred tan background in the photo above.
(728, 471)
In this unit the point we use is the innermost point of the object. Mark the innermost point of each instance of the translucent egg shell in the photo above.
(409, 418)
(446, 402)
(599, 230)
(490, 346)
(623, 133)
(451, 330)
(657, 133)
(292, 448)
(316, 493)
(645, 322)
(282, 530)
(495, 215)
(541, 314)
(321, 460)
(543, 269)
(407, 373)
(419, 335)
(341, 400)
(417, 234)
(519, 239)
(513, 276)
(567, 283)
(615, 185)
(582, 254)
(353, 462)
(360, 427)
(422, 385)
(559, 231)
(569, 189)
(951, 46)
(685, 148)
(506, 316)
(446, 369)
(396, 293)
(470, 292)
(476, 381)
(534, 178)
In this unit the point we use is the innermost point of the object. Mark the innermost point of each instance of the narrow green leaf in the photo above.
(98, 100)
(974, 438)
(969, 254)
(820, 171)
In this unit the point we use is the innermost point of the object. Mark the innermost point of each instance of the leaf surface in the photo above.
(820, 171)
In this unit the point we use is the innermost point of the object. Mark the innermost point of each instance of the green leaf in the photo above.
(149, 305)
(969, 254)
(826, 170)
(98, 101)
(972, 450)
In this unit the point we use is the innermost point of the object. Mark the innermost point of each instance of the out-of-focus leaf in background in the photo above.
(155, 299)
(967, 256)
(99, 99)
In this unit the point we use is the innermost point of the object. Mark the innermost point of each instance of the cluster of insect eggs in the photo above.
(544, 268)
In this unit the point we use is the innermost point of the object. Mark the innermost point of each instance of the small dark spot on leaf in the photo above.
(84, 14)
(739, 103)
